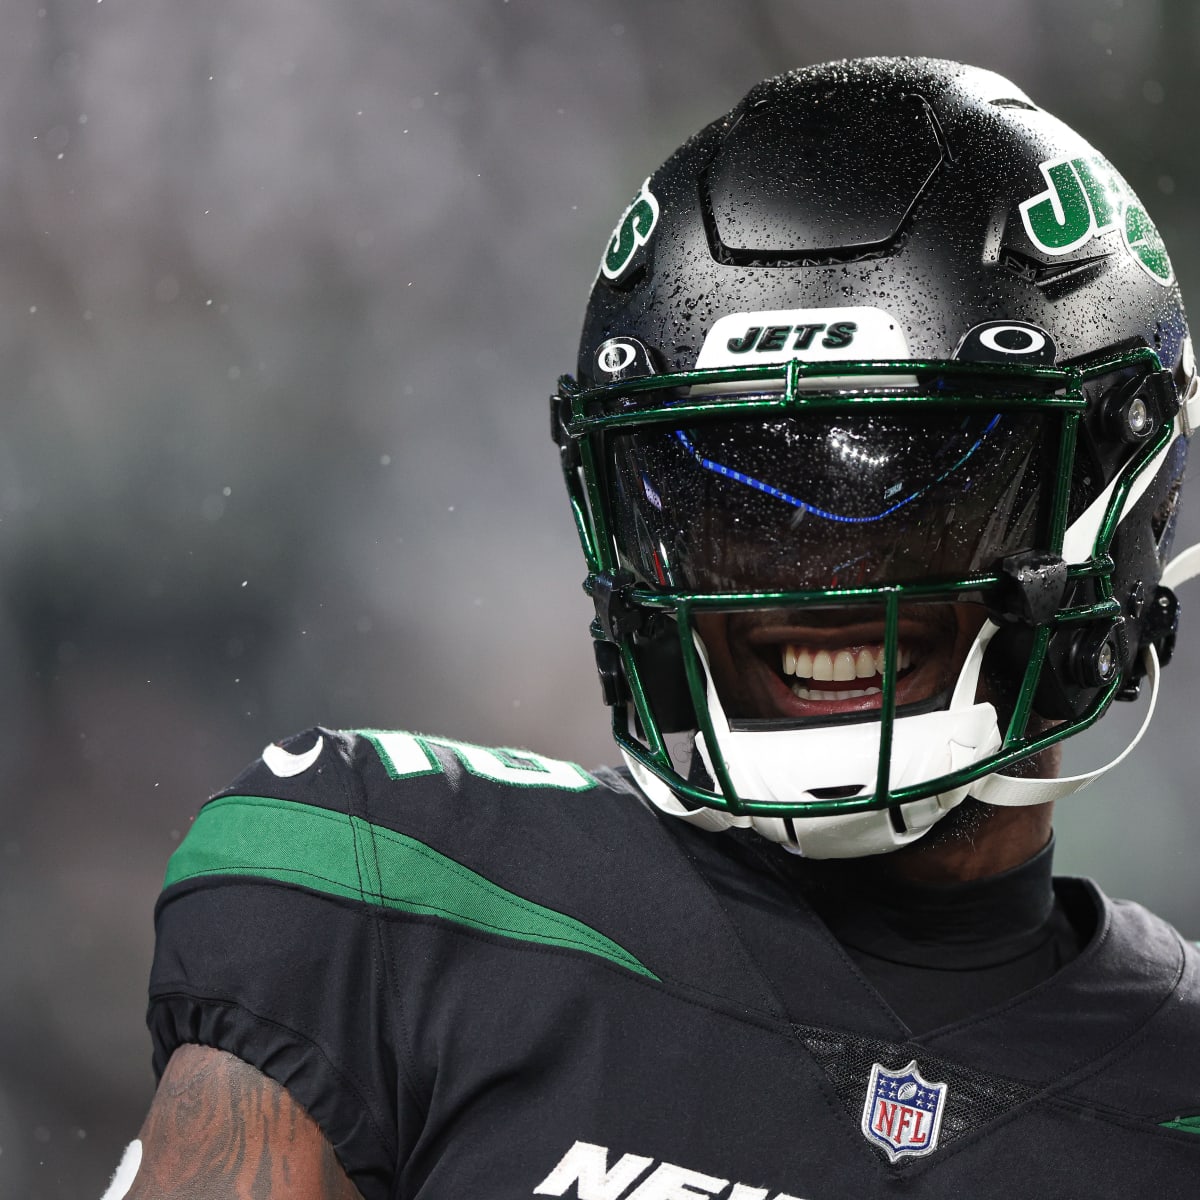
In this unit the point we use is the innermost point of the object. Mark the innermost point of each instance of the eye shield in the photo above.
(819, 499)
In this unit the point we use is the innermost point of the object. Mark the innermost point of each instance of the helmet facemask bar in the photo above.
(629, 614)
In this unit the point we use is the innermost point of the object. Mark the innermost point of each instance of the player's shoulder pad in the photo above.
(395, 769)
(482, 799)
(422, 825)
(311, 767)
(478, 805)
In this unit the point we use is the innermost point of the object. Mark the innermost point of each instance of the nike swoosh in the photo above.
(285, 764)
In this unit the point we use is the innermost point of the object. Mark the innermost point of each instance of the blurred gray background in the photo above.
(284, 286)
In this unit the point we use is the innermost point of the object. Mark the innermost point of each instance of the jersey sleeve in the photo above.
(265, 949)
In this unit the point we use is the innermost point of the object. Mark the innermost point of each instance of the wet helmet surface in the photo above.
(885, 334)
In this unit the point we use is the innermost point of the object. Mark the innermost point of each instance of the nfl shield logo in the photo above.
(903, 1112)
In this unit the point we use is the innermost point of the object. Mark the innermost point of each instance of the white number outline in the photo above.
(407, 755)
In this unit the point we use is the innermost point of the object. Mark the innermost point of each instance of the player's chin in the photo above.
(959, 827)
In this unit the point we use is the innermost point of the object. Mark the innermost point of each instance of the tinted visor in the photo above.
(818, 499)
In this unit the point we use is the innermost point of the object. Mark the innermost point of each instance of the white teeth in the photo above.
(803, 693)
(839, 665)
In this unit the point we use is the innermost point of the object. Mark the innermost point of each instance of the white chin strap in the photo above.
(787, 766)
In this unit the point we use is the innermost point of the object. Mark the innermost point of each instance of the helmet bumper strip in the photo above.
(588, 409)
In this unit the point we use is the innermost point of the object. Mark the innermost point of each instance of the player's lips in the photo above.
(811, 670)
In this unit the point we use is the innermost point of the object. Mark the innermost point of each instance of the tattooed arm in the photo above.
(220, 1130)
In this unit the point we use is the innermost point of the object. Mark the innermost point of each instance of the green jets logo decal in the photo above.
(633, 230)
(1086, 198)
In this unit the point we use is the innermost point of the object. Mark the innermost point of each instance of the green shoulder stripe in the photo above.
(345, 856)
(1187, 1124)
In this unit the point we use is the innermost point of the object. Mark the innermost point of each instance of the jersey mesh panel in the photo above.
(972, 1099)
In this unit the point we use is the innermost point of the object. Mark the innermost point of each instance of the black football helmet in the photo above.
(886, 345)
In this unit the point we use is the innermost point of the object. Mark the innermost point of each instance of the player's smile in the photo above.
(816, 665)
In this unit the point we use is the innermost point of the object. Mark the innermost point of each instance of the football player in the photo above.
(874, 448)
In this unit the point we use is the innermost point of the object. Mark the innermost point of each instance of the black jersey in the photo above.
(490, 974)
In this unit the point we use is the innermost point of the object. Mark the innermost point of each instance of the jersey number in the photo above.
(405, 755)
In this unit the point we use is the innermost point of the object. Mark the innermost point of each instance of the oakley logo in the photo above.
(623, 358)
(1007, 342)
(614, 356)
(1013, 339)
